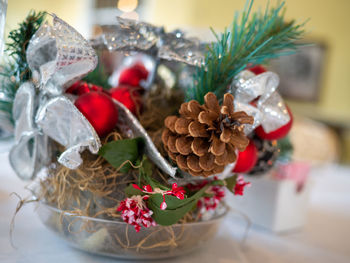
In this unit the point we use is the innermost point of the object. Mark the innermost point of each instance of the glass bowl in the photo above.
(120, 240)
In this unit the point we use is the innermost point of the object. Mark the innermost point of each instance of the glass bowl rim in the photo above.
(101, 220)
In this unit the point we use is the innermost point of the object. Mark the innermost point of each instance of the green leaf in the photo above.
(98, 76)
(218, 182)
(118, 152)
(231, 182)
(146, 166)
(130, 191)
(176, 208)
(175, 211)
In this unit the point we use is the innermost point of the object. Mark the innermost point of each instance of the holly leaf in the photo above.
(130, 191)
(231, 183)
(147, 167)
(218, 182)
(175, 211)
(176, 208)
(117, 153)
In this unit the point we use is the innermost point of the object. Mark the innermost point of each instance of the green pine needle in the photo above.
(286, 149)
(98, 76)
(19, 40)
(252, 39)
(15, 70)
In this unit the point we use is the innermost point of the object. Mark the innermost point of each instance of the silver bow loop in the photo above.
(23, 110)
(269, 110)
(174, 46)
(130, 35)
(30, 152)
(63, 122)
(59, 56)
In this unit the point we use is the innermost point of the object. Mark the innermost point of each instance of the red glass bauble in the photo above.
(129, 96)
(247, 159)
(276, 134)
(100, 111)
(81, 87)
(133, 75)
(258, 69)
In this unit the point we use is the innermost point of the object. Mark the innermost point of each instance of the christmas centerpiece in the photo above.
(133, 160)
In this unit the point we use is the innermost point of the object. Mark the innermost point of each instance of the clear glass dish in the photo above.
(120, 240)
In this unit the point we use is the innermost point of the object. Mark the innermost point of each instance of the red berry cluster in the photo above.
(135, 212)
(211, 202)
(176, 191)
(240, 185)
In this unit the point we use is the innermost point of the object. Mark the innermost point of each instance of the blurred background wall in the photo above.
(329, 25)
(329, 22)
(75, 12)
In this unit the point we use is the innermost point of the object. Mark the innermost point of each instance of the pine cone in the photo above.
(203, 140)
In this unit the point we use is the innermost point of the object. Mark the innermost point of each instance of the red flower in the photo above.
(135, 212)
(147, 188)
(210, 203)
(240, 185)
(176, 191)
(198, 186)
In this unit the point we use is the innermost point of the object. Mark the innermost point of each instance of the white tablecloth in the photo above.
(325, 237)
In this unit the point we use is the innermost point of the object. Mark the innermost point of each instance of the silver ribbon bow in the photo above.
(270, 110)
(131, 35)
(57, 55)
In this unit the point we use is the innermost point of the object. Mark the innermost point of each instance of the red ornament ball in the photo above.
(100, 111)
(129, 96)
(81, 87)
(247, 159)
(276, 134)
(258, 69)
(133, 75)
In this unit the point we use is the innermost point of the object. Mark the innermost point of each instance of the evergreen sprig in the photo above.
(98, 76)
(253, 38)
(19, 40)
(14, 70)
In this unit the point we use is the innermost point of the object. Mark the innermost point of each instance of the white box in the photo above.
(273, 204)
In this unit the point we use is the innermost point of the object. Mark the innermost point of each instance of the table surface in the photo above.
(325, 237)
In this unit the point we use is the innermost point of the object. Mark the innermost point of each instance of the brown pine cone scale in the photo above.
(204, 138)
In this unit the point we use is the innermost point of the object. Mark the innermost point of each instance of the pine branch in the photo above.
(14, 70)
(98, 76)
(253, 39)
(286, 149)
(20, 38)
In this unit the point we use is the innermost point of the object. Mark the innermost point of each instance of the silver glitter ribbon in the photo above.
(187, 178)
(57, 55)
(131, 127)
(130, 35)
(270, 110)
